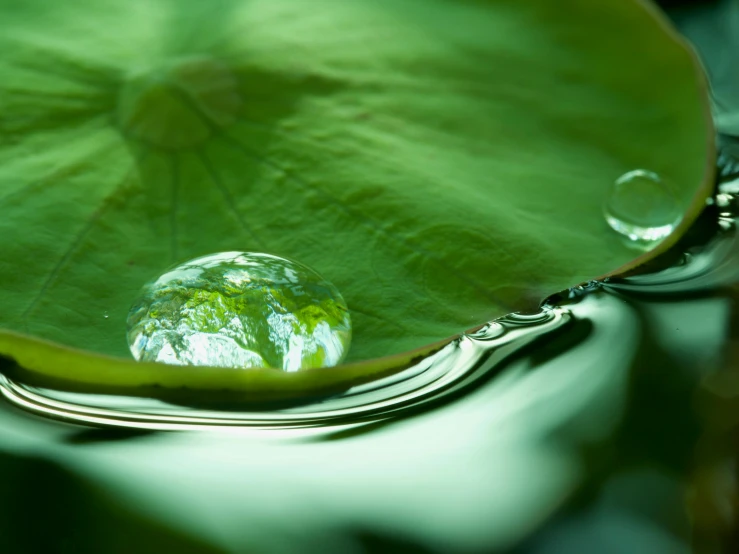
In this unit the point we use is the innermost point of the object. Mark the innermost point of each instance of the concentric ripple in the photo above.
(460, 365)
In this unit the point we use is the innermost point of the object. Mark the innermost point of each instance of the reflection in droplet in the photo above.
(642, 206)
(240, 309)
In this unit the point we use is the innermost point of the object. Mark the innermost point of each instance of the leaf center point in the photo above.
(180, 105)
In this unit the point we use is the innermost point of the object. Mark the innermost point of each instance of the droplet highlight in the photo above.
(642, 207)
(240, 309)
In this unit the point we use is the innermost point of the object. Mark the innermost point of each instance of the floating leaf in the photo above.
(442, 162)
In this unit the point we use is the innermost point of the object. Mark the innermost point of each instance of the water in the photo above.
(643, 207)
(240, 309)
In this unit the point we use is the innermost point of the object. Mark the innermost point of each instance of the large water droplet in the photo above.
(642, 206)
(240, 309)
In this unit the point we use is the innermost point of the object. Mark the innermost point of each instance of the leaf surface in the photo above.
(441, 162)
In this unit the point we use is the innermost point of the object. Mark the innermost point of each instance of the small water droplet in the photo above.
(240, 309)
(105, 315)
(642, 206)
(584, 289)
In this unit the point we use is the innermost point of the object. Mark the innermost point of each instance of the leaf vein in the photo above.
(367, 222)
(228, 197)
(173, 210)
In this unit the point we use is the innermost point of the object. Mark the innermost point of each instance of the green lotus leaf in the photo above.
(442, 162)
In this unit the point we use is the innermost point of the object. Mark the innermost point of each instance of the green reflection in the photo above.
(240, 309)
